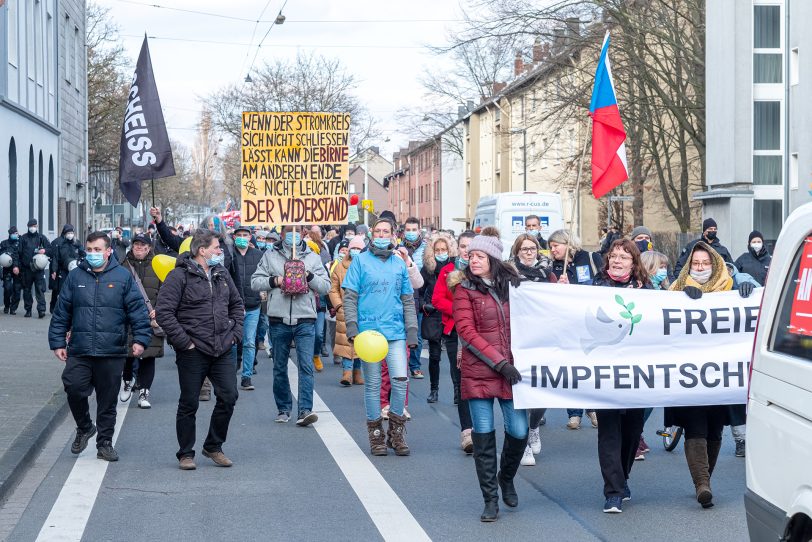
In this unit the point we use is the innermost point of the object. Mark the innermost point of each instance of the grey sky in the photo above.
(386, 57)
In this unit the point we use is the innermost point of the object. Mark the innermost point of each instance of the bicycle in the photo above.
(671, 437)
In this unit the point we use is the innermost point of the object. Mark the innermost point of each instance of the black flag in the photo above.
(145, 150)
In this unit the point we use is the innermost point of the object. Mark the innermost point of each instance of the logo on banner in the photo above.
(606, 331)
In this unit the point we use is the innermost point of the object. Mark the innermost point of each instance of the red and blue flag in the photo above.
(609, 167)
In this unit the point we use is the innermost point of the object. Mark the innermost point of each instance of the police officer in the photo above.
(12, 285)
(64, 250)
(32, 243)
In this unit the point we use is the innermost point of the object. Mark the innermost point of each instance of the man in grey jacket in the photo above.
(291, 317)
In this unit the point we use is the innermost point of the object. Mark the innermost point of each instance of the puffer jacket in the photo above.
(290, 309)
(152, 285)
(97, 308)
(12, 248)
(195, 309)
(342, 347)
(443, 297)
(483, 327)
(755, 264)
(62, 252)
(30, 244)
(242, 269)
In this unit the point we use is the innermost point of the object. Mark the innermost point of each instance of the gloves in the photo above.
(509, 372)
(309, 276)
(745, 289)
(428, 308)
(693, 292)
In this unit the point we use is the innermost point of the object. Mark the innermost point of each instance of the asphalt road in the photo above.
(286, 484)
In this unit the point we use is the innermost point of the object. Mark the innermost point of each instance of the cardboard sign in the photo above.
(352, 216)
(800, 319)
(295, 168)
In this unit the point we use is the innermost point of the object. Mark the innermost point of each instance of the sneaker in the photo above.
(527, 459)
(613, 505)
(593, 418)
(639, 455)
(245, 384)
(406, 414)
(574, 423)
(80, 442)
(643, 445)
(317, 364)
(627, 493)
(418, 374)
(143, 399)
(534, 441)
(106, 451)
(218, 457)
(385, 412)
(739, 448)
(306, 418)
(126, 391)
(282, 417)
(187, 462)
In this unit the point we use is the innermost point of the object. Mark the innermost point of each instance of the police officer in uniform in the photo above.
(12, 285)
(32, 243)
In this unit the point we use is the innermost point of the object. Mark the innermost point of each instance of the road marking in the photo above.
(392, 518)
(68, 517)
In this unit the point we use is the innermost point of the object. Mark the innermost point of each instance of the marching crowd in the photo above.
(232, 294)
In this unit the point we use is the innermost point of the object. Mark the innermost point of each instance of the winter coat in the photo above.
(193, 308)
(284, 308)
(432, 268)
(581, 269)
(152, 285)
(755, 264)
(12, 248)
(416, 252)
(30, 243)
(62, 253)
(483, 328)
(715, 245)
(96, 309)
(342, 347)
(242, 269)
(443, 296)
(173, 242)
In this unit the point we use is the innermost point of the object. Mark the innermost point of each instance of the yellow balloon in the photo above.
(371, 346)
(162, 265)
(186, 245)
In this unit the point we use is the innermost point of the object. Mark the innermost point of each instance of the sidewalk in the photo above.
(32, 401)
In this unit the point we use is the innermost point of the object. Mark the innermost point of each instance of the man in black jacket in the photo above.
(64, 250)
(243, 265)
(88, 332)
(12, 285)
(710, 236)
(201, 312)
(212, 223)
(33, 243)
(756, 261)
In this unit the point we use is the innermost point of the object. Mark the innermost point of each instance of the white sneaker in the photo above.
(126, 391)
(143, 399)
(527, 459)
(593, 418)
(534, 441)
(574, 423)
(385, 412)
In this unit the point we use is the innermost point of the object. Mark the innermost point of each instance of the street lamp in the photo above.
(523, 131)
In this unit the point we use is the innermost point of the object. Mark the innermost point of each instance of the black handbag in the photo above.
(431, 328)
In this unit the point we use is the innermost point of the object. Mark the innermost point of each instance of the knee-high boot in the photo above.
(512, 452)
(696, 453)
(485, 460)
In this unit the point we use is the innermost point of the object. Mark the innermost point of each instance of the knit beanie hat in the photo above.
(487, 242)
(755, 234)
(361, 229)
(708, 223)
(640, 230)
(357, 242)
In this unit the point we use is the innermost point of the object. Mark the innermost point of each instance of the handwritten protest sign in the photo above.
(295, 168)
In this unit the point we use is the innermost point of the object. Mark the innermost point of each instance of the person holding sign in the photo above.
(704, 272)
(619, 429)
(482, 312)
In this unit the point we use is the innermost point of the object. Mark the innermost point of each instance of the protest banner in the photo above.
(295, 168)
(599, 347)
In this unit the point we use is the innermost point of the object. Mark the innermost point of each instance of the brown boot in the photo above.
(357, 377)
(346, 378)
(395, 437)
(377, 445)
(696, 452)
(713, 454)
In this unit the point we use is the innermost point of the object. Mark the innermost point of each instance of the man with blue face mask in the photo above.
(243, 265)
(291, 316)
(415, 246)
(532, 226)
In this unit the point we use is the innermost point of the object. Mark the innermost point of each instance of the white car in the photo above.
(778, 500)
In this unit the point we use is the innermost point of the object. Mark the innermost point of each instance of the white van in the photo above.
(508, 210)
(778, 500)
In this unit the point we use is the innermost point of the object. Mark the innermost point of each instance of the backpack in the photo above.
(294, 278)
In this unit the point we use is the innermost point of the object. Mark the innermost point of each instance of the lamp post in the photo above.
(523, 131)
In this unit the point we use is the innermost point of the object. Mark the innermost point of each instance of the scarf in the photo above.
(534, 273)
(719, 281)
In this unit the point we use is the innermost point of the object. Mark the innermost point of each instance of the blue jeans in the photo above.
(281, 336)
(414, 354)
(482, 417)
(249, 342)
(576, 412)
(319, 334)
(348, 364)
(262, 327)
(396, 362)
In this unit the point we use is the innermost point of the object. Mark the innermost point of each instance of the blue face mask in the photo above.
(659, 276)
(241, 242)
(355, 252)
(215, 260)
(94, 259)
(340, 256)
(14, 237)
(534, 233)
(461, 264)
(291, 237)
(261, 244)
(441, 257)
(412, 236)
(381, 242)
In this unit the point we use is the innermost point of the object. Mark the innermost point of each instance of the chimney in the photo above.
(461, 111)
(559, 38)
(498, 87)
(518, 64)
(573, 30)
(538, 51)
(375, 150)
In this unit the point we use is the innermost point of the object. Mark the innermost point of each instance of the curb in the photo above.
(19, 457)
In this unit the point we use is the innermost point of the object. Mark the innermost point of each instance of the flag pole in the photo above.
(152, 186)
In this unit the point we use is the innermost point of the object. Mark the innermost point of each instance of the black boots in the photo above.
(485, 460)
(433, 396)
(512, 452)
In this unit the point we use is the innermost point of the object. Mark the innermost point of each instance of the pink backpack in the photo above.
(294, 278)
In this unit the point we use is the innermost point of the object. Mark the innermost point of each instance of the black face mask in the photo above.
(711, 235)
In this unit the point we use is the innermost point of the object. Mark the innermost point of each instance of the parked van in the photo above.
(508, 210)
(778, 501)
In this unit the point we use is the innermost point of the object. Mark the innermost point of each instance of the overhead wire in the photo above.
(280, 45)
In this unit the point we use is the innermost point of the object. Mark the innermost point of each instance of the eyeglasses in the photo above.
(620, 257)
(528, 250)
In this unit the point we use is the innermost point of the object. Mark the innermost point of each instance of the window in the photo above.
(793, 171)
(767, 218)
(40, 198)
(12, 180)
(38, 52)
(30, 40)
(31, 181)
(784, 338)
(77, 56)
(11, 12)
(794, 66)
(51, 195)
(767, 55)
(50, 54)
(767, 169)
(68, 36)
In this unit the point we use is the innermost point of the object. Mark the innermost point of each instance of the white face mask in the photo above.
(69, 236)
(32, 229)
(756, 246)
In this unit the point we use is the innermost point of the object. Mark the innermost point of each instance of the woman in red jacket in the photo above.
(443, 299)
(482, 315)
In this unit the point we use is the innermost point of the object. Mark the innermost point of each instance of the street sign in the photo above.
(369, 205)
(621, 198)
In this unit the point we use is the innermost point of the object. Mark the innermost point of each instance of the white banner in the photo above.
(599, 347)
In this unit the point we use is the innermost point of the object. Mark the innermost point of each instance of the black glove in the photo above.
(745, 289)
(693, 292)
(509, 372)
(428, 308)
(309, 276)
